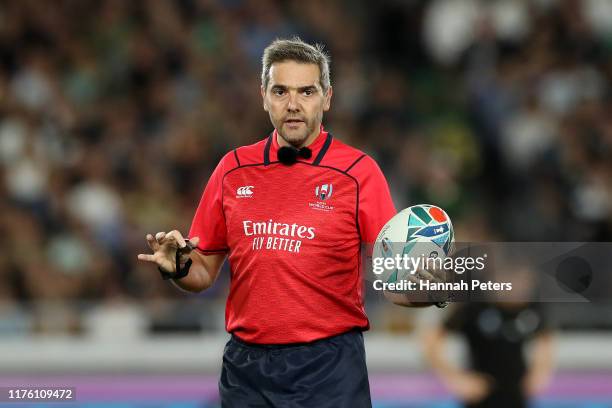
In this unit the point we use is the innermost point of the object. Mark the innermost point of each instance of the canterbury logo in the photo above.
(244, 191)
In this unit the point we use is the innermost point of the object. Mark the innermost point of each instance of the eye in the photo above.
(308, 92)
(278, 92)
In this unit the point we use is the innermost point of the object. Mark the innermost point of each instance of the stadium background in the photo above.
(113, 115)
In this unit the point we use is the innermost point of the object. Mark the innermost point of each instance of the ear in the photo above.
(263, 97)
(328, 96)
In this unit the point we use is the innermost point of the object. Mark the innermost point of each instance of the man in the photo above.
(499, 374)
(291, 212)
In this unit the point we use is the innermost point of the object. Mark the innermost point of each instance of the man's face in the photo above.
(295, 101)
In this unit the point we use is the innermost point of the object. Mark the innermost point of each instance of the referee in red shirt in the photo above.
(290, 212)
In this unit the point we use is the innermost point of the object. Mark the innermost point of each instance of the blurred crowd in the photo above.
(114, 113)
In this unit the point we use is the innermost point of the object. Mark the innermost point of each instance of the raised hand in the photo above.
(164, 247)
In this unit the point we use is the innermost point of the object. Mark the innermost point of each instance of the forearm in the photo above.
(196, 281)
(202, 274)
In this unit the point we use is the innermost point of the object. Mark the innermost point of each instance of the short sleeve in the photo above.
(209, 221)
(375, 203)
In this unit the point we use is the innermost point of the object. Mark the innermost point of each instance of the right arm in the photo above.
(203, 272)
(204, 268)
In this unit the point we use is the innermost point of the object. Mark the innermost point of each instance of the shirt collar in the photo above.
(318, 147)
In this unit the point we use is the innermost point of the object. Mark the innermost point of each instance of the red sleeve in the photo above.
(375, 203)
(209, 221)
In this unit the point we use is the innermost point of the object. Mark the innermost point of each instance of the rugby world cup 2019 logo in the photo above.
(430, 222)
(324, 191)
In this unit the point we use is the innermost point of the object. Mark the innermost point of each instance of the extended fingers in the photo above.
(170, 238)
(163, 242)
(146, 257)
(176, 237)
(152, 242)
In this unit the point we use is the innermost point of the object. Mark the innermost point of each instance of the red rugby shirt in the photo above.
(293, 235)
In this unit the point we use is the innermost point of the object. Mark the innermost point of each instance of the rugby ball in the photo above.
(422, 230)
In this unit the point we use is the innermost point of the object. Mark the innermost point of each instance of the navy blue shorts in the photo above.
(326, 373)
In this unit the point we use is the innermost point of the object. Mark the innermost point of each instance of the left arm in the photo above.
(375, 208)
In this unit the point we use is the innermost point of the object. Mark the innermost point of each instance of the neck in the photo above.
(311, 138)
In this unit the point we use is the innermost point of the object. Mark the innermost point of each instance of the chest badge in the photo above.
(322, 194)
(324, 191)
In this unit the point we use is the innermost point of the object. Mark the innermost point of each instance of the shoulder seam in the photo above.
(355, 162)
(236, 157)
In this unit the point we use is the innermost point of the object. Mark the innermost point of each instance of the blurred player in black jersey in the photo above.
(499, 373)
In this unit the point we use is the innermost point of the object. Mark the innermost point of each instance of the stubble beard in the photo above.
(297, 139)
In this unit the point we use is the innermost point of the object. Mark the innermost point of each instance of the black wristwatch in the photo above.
(181, 272)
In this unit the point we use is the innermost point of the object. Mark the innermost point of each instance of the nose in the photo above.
(293, 106)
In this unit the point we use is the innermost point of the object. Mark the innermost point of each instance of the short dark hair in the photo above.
(295, 50)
